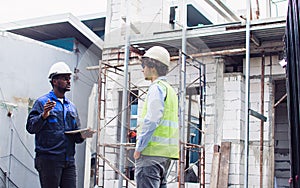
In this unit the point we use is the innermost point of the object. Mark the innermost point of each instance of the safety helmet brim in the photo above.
(58, 69)
(158, 53)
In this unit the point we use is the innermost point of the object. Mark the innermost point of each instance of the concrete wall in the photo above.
(225, 95)
(146, 17)
(224, 118)
(24, 67)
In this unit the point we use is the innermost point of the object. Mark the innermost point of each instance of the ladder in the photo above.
(100, 164)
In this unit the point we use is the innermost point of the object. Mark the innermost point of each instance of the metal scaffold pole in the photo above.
(182, 99)
(125, 96)
(247, 87)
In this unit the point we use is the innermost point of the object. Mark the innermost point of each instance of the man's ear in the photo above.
(153, 69)
(54, 81)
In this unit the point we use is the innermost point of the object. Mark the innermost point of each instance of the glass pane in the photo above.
(133, 123)
(134, 109)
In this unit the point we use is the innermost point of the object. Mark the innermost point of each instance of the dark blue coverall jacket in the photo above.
(50, 138)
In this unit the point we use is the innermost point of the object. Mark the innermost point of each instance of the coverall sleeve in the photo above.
(35, 121)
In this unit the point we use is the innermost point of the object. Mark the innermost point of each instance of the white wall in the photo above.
(225, 119)
(24, 67)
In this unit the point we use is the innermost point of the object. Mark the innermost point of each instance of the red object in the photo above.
(132, 134)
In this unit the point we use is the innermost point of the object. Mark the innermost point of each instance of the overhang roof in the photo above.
(266, 35)
(58, 27)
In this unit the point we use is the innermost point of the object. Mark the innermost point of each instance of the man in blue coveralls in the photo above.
(51, 117)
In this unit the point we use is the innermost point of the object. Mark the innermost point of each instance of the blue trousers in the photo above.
(54, 174)
(151, 171)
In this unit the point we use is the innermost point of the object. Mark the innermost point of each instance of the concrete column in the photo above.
(219, 100)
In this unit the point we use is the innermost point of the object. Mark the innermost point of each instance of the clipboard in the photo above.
(76, 131)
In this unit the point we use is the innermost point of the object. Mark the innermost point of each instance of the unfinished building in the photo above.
(222, 145)
(224, 142)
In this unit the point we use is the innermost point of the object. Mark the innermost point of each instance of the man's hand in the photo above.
(47, 108)
(136, 155)
(87, 133)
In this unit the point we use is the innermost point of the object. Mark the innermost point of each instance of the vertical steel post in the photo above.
(262, 109)
(182, 95)
(247, 87)
(125, 95)
(10, 155)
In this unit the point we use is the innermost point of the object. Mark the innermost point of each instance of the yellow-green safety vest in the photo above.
(165, 139)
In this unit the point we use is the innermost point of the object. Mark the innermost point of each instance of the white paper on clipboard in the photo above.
(76, 131)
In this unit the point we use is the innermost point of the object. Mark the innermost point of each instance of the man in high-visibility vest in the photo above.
(158, 137)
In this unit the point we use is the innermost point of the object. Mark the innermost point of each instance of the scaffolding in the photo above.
(108, 153)
(182, 167)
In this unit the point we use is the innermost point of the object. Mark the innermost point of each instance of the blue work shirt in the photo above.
(50, 138)
(156, 97)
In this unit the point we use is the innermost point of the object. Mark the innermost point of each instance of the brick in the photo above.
(233, 104)
(231, 134)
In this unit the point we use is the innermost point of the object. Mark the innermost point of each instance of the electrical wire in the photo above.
(27, 168)
(2, 180)
(86, 83)
(87, 54)
(4, 156)
(93, 81)
(18, 136)
(10, 181)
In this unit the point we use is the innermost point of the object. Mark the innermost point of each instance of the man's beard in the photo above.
(63, 90)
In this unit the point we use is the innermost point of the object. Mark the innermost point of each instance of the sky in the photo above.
(14, 10)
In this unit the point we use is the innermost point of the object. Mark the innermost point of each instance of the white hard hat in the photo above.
(59, 68)
(158, 53)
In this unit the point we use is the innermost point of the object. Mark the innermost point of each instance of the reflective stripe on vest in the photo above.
(165, 139)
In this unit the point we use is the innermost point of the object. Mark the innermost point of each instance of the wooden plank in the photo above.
(216, 148)
(215, 170)
(224, 165)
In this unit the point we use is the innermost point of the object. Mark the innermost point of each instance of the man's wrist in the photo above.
(136, 155)
(44, 116)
